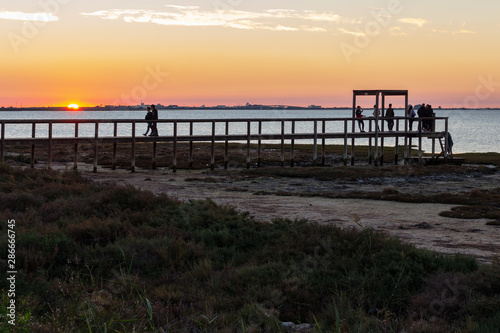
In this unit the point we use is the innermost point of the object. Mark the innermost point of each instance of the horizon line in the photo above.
(223, 106)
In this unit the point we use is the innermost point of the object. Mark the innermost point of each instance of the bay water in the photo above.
(471, 130)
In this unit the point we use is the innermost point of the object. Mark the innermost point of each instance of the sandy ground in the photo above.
(418, 224)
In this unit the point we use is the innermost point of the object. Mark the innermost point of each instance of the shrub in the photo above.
(90, 256)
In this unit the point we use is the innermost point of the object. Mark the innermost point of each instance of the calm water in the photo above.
(472, 130)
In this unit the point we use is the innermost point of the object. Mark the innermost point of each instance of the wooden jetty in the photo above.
(284, 134)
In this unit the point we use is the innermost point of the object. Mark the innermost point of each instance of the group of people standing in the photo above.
(426, 111)
(152, 115)
(423, 112)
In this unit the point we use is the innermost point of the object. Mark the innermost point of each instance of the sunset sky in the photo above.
(193, 52)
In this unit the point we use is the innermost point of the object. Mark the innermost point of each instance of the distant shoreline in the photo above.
(264, 107)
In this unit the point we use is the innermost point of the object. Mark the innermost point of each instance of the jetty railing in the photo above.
(250, 131)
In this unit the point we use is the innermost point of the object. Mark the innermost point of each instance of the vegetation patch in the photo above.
(204, 179)
(354, 173)
(480, 204)
(480, 158)
(110, 258)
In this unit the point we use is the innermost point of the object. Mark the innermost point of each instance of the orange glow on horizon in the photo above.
(269, 52)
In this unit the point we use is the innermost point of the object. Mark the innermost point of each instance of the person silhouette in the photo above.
(149, 116)
(359, 117)
(154, 111)
(412, 115)
(390, 114)
(421, 114)
(429, 112)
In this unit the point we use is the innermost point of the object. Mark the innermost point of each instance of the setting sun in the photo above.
(73, 106)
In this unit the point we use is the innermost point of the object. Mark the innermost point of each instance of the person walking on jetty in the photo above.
(149, 116)
(359, 116)
(411, 113)
(376, 112)
(390, 114)
(154, 111)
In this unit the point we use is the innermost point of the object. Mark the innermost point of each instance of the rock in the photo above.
(292, 328)
(423, 225)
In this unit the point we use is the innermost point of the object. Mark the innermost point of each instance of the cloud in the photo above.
(415, 21)
(397, 31)
(353, 33)
(284, 28)
(323, 17)
(461, 31)
(273, 19)
(313, 29)
(464, 31)
(440, 31)
(182, 7)
(114, 14)
(21, 16)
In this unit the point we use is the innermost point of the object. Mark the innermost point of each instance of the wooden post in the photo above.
(353, 126)
(410, 143)
(375, 158)
(113, 157)
(259, 145)
(370, 150)
(191, 144)
(419, 141)
(115, 134)
(433, 148)
(212, 148)
(323, 143)
(50, 145)
(96, 138)
(33, 135)
(433, 138)
(345, 142)
(282, 143)
(174, 152)
(405, 154)
(382, 128)
(132, 166)
(446, 141)
(2, 148)
(248, 144)
(226, 147)
(315, 153)
(396, 146)
(75, 158)
(154, 154)
(407, 145)
(292, 147)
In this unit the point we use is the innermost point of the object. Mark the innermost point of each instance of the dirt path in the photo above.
(418, 224)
